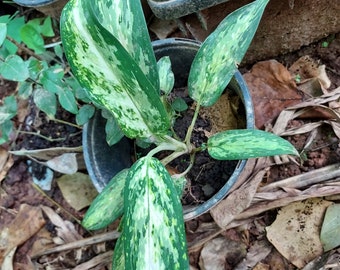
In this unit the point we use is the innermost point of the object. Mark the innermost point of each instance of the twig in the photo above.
(55, 203)
(80, 243)
(306, 179)
(23, 48)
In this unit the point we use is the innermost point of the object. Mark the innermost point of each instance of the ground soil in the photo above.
(17, 188)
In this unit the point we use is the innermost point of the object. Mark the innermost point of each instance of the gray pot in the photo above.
(51, 8)
(172, 9)
(103, 162)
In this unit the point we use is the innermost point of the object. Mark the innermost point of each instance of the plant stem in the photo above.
(192, 125)
(192, 160)
(173, 156)
(171, 144)
(65, 123)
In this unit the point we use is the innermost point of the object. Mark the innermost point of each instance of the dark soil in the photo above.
(207, 175)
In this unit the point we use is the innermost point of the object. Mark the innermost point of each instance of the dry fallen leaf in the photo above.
(226, 211)
(218, 251)
(6, 162)
(77, 190)
(272, 89)
(295, 232)
(313, 77)
(28, 222)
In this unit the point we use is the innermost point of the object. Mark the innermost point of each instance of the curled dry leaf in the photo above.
(313, 77)
(272, 89)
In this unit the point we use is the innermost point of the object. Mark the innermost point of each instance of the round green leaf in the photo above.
(32, 38)
(14, 68)
(67, 100)
(84, 114)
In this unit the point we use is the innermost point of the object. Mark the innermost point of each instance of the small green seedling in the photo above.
(39, 69)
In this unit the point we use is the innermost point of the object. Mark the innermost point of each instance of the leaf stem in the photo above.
(170, 144)
(192, 125)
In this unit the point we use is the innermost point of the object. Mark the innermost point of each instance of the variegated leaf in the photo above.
(108, 205)
(166, 76)
(127, 24)
(118, 260)
(219, 55)
(153, 228)
(108, 72)
(247, 143)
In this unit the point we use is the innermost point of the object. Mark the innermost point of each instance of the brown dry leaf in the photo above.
(295, 232)
(218, 251)
(163, 28)
(272, 89)
(257, 252)
(23, 110)
(314, 79)
(225, 212)
(6, 162)
(28, 222)
(43, 241)
(77, 189)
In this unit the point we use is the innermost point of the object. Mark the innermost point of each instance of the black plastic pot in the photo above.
(172, 9)
(103, 162)
(51, 8)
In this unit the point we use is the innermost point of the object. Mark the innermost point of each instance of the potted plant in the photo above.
(104, 161)
(109, 50)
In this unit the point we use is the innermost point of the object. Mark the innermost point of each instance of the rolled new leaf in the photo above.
(153, 225)
(244, 143)
(104, 67)
(217, 59)
(108, 205)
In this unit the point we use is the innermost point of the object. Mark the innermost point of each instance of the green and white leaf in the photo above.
(166, 76)
(129, 27)
(111, 75)
(153, 228)
(108, 205)
(45, 101)
(118, 261)
(219, 55)
(247, 143)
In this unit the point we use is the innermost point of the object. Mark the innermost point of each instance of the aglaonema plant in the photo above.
(109, 50)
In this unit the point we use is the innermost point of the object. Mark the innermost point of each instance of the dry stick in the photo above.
(306, 179)
(23, 48)
(101, 259)
(81, 243)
